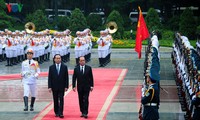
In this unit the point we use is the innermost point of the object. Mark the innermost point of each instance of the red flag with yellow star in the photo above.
(141, 34)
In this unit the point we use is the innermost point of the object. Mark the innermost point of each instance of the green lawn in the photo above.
(131, 43)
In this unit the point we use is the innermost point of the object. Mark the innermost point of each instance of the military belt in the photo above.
(151, 104)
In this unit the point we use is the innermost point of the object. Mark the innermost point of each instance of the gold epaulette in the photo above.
(36, 64)
(152, 92)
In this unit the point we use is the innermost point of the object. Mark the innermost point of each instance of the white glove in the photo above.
(143, 91)
(36, 75)
(23, 74)
(193, 97)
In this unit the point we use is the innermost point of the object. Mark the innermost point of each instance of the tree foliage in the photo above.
(187, 24)
(173, 23)
(77, 21)
(198, 30)
(31, 6)
(5, 20)
(124, 7)
(39, 19)
(63, 22)
(94, 21)
(116, 17)
(153, 20)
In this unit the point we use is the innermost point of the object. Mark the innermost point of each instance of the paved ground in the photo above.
(126, 102)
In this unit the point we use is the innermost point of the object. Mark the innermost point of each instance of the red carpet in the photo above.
(106, 85)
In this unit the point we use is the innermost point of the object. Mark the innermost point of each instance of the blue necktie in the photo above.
(57, 67)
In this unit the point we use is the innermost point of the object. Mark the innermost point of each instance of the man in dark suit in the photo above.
(58, 81)
(84, 77)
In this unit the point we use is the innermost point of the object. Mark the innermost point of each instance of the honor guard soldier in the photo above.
(9, 52)
(198, 45)
(88, 38)
(150, 100)
(102, 48)
(56, 44)
(15, 50)
(68, 39)
(196, 102)
(47, 46)
(41, 48)
(1, 48)
(21, 46)
(109, 46)
(79, 48)
(54, 47)
(196, 99)
(151, 97)
(30, 73)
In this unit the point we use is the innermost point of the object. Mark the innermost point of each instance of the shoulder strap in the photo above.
(152, 94)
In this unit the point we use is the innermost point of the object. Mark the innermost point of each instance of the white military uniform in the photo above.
(79, 47)
(1, 45)
(102, 47)
(55, 47)
(30, 73)
(9, 48)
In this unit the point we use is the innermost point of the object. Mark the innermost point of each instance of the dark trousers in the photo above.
(196, 114)
(58, 99)
(150, 113)
(83, 95)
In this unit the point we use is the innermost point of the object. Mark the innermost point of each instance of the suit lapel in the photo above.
(55, 70)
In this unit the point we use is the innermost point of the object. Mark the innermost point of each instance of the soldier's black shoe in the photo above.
(25, 103)
(32, 103)
(26, 108)
(31, 108)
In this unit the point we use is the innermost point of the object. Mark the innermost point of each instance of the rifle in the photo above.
(140, 113)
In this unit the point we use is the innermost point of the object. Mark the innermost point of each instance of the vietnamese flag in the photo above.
(142, 33)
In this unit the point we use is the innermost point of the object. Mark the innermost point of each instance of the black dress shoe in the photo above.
(82, 115)
(85, 116)
(61, 116)
(57, 115)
